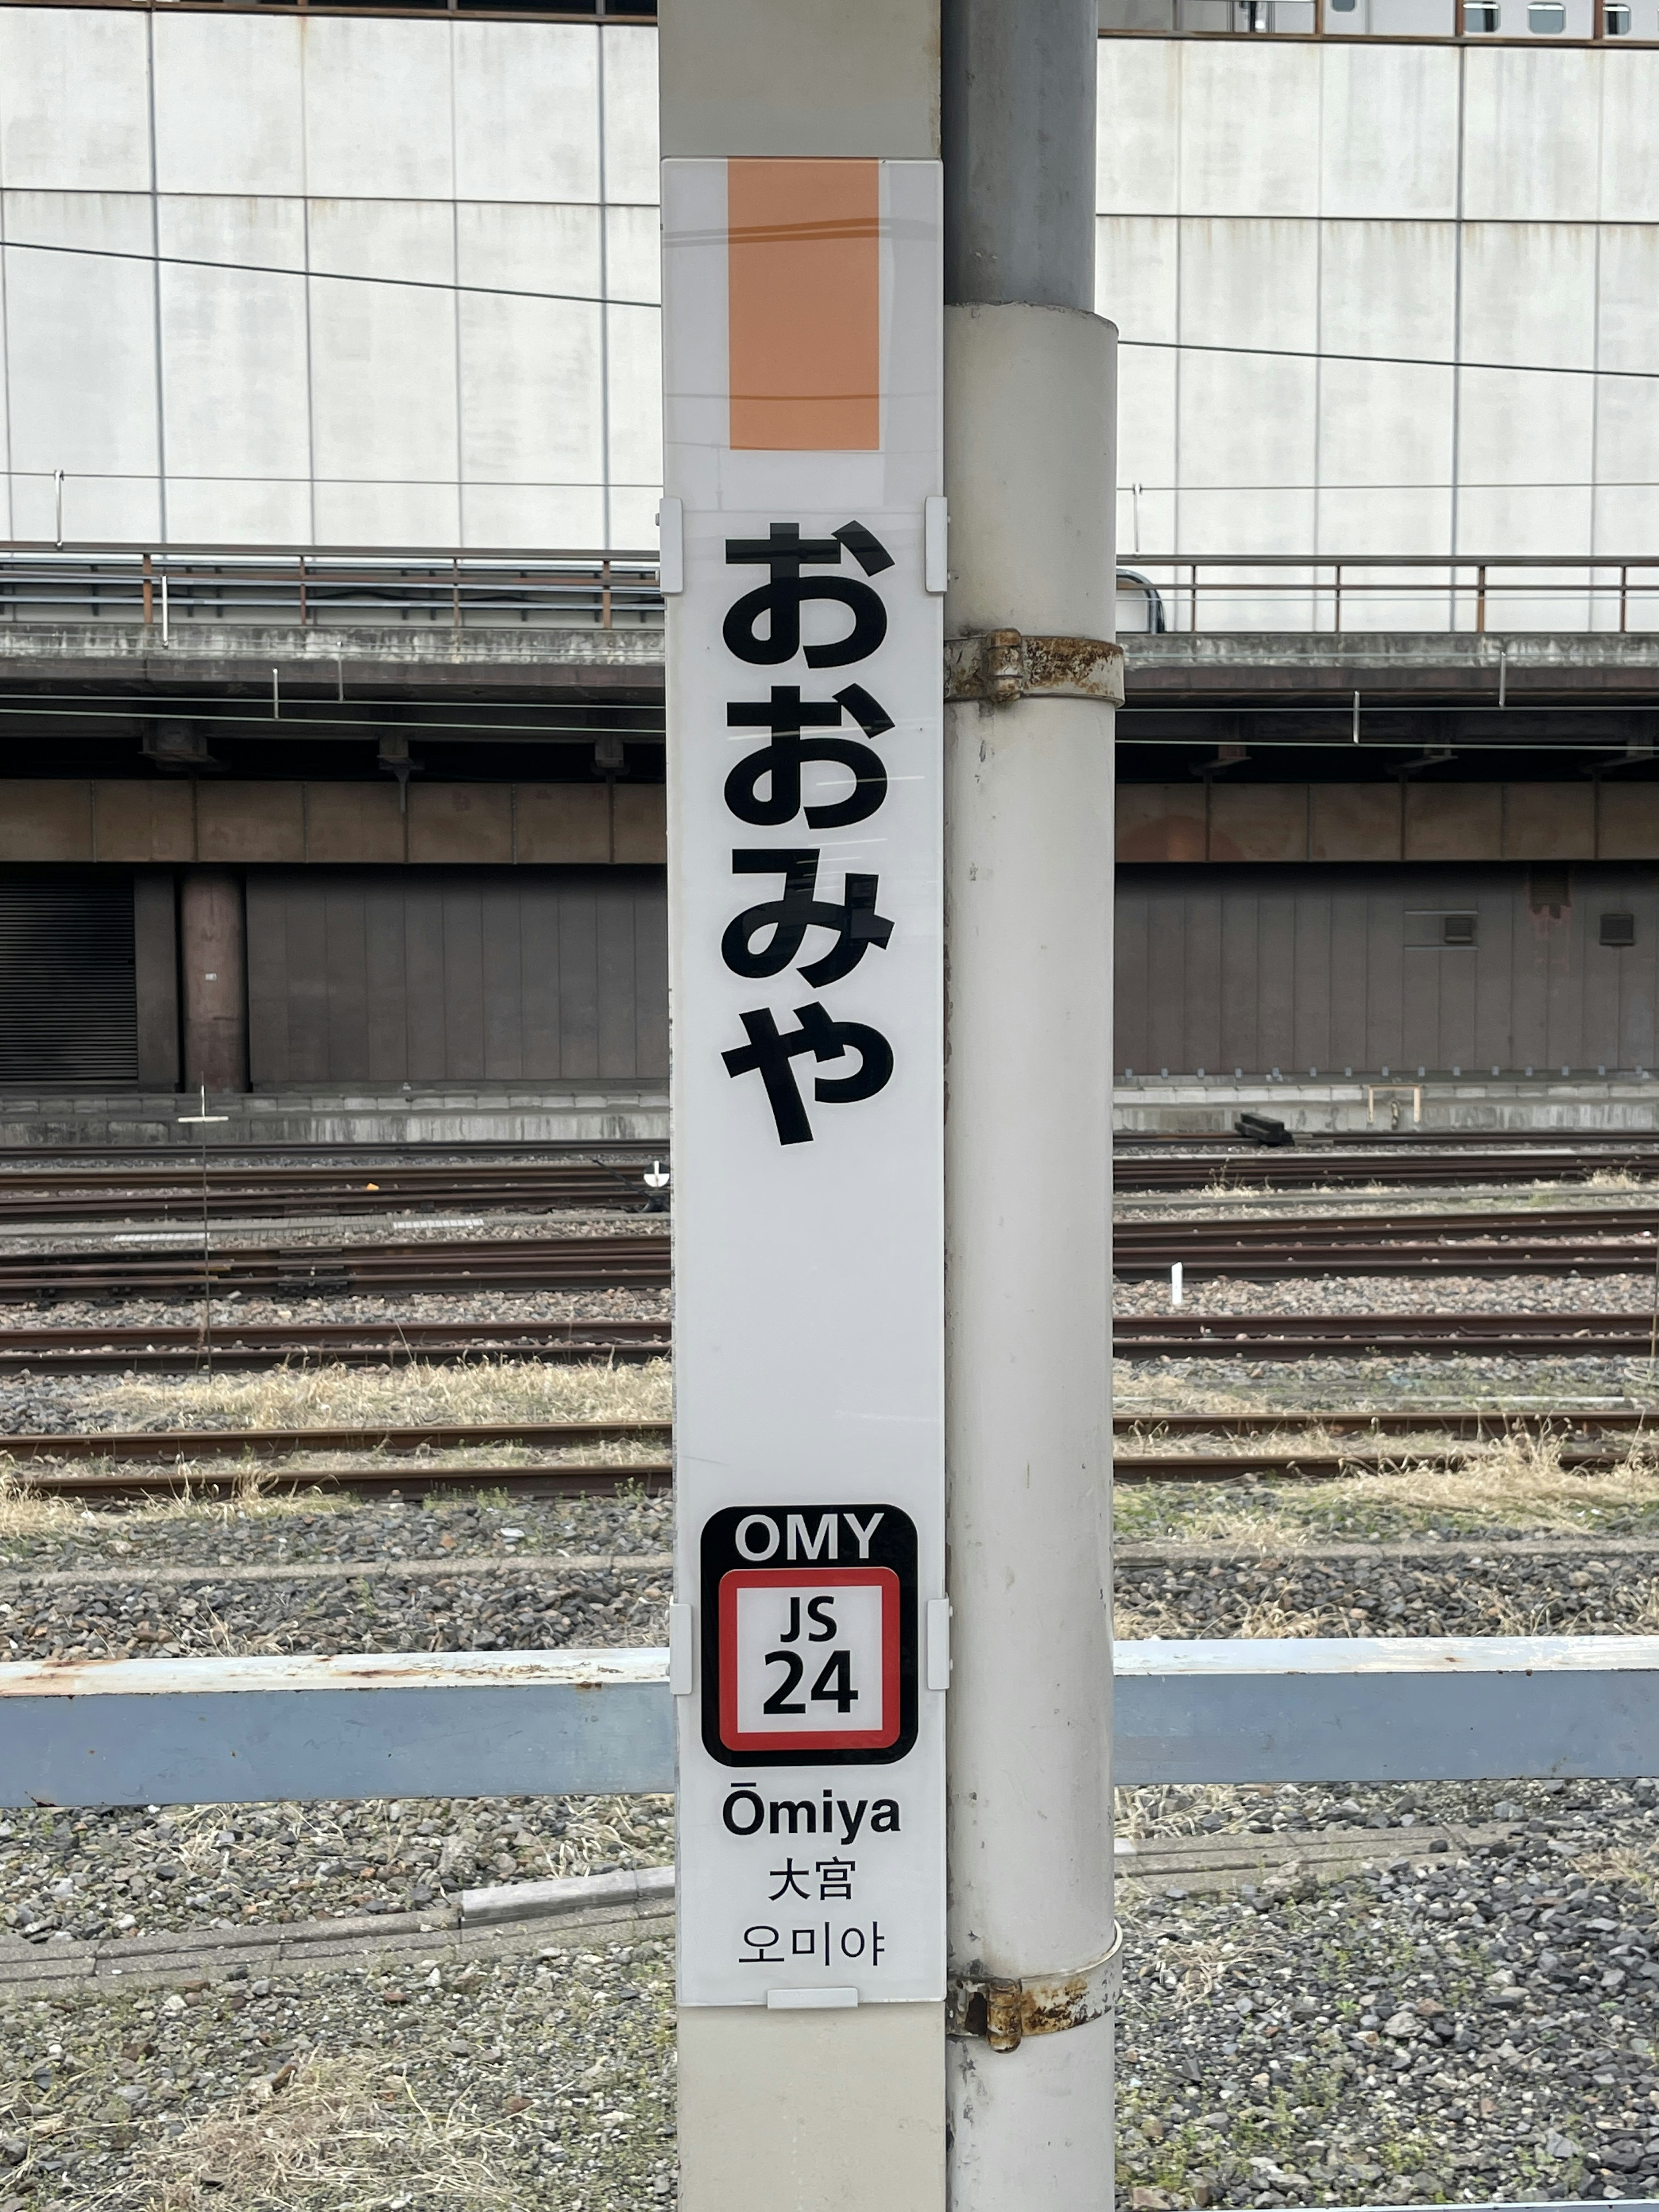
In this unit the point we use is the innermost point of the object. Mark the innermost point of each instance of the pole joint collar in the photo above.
(1001, 665)
(1003, 2010)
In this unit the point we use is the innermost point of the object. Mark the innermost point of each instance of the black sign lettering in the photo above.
(783, 552)
(787, 716)
(854, 920)
(768, 1053)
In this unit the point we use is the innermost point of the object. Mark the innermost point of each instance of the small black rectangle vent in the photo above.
(1457, 929)
(1618, 929)
(69, 1007)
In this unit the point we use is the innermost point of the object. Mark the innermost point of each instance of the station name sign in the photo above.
(803, 572)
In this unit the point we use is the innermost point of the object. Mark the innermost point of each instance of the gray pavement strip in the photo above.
(1199, 1866)
(379, 1570)
(513, 1914)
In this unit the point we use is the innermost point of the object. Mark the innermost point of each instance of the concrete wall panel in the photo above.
(460, 822)
(1138, 151)
(383, 355)
(1258, 821)
(1627, 826)
(74, 100)
(1388, 127)
(354, 822)
(636, 413)
(235, 342)
(46, 821)
(379, 117)
(1249, 137)
(252, 145)
(562, 822)
(1353, 822)
(142, 821)
(639, 825)
(1549, 822)
(1532, 131)
(628, 63)
(81, 351)
(1453, 821)
(531, 401)
(240, 822)
(527, 111)
(1630, 149)
(1162, 822)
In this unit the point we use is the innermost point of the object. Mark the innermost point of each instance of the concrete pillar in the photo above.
(213, 964)
(1028, 399)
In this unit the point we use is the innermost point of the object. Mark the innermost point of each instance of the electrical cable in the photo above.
(598, 300)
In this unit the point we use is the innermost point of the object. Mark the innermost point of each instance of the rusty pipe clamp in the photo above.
(1000, 666)
(1003, 2011)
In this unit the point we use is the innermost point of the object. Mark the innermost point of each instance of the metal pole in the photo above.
(1029, 475)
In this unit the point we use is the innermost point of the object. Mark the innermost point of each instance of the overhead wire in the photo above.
(601, 300)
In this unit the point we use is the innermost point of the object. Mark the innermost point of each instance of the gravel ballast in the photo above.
(1381, 2055)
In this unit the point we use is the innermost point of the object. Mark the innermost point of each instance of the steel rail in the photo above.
(1440, 1336)
(1463, 1422)
(163, 1445)
(1282, 1168)
(573, 1477)
(169, 1347)
(133, 1194)
(559, 1479)
(194, 1444)
(1324, 1466)
(297, 1271)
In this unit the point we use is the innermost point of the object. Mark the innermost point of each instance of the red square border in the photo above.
(809, 1740)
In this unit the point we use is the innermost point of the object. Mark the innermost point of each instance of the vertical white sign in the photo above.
(802, 328)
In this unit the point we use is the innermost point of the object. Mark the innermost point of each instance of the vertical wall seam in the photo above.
(605, 470)
(455, 276)
(1181, 50)
(1600, 63)
(155, 282)
(301, 33)
(5, 376)
(1457, 327)
(1322, 62)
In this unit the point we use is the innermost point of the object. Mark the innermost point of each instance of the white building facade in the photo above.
(319, 280)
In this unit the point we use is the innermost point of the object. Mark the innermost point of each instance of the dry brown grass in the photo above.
(1520, 1480)
(1514, 1482)
(28, 1513)
(326, 2135)
(474, 1390)
(1178, 1809)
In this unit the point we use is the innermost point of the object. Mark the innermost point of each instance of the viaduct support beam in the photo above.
(213, 962)
(1029, 478)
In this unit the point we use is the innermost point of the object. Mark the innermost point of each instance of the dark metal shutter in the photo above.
(69, 1005)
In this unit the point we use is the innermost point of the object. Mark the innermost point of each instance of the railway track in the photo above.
(1603, 1242)
(163, 1445)
(354, 1343)
(337, 1271)
(220, 1461)
(1180, 1335)
(1445, 1157)
(1440, 1336)
(175, 1192)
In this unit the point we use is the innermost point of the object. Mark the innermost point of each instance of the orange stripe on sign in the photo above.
(805, 290)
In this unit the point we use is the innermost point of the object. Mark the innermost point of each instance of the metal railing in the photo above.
(547, 1723)
(167, 588)
(1389, 592)
(164, 589)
